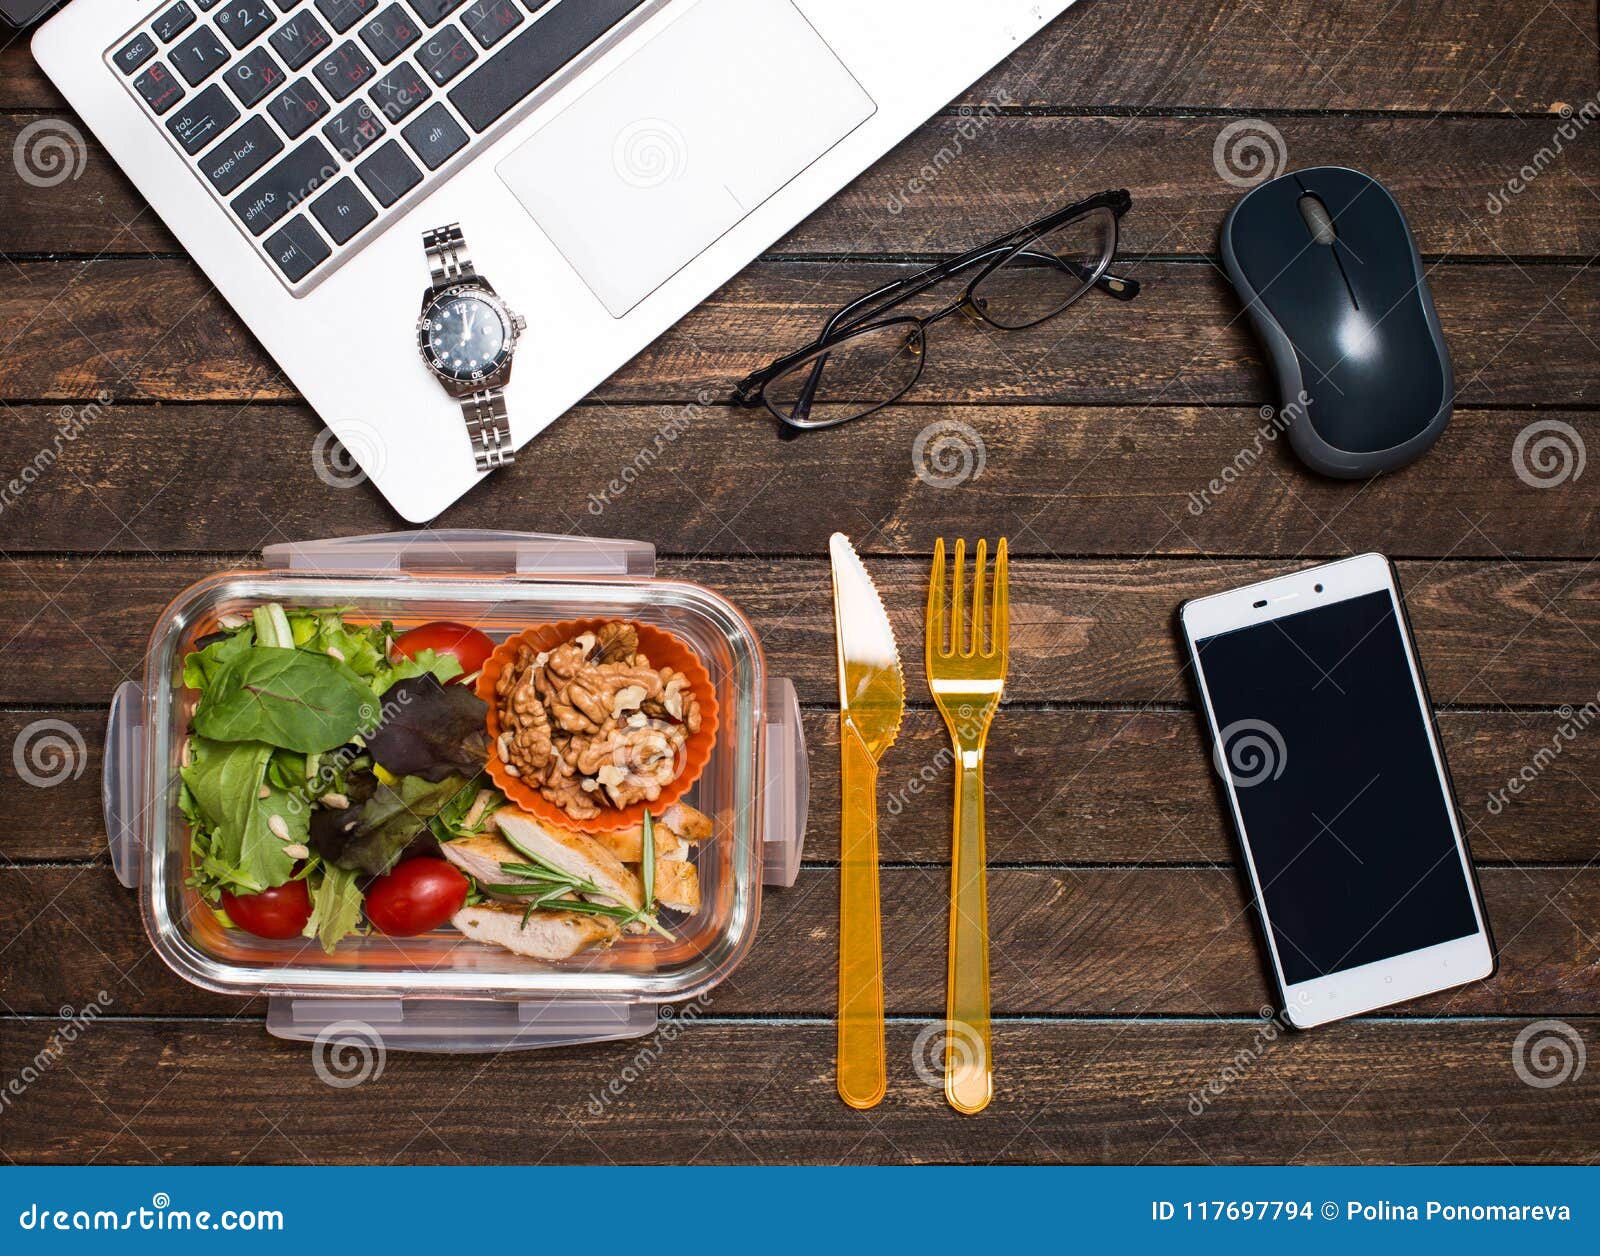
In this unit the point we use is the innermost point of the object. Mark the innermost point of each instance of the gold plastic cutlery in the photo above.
(871, 700)
(966, 663)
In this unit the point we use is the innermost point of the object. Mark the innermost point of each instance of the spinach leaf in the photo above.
(288, 698)
(225, 781)
(216, 651)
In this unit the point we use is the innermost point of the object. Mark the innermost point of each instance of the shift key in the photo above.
(283, 187)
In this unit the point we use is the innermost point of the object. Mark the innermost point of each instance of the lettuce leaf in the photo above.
(335, 907)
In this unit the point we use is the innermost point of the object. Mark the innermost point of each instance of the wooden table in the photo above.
(1125, 976)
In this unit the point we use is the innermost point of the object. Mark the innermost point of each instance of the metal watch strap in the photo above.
(447, 255)
(489, 428)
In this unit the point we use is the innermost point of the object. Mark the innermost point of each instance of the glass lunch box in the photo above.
(441, 992)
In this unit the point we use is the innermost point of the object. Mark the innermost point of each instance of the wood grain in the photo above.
(1082, 631)
(1179, 480)
(958, 181)
(1237, 54)
(152, 329)
(1125, 942)
(1097, 1092)
(1126, 787)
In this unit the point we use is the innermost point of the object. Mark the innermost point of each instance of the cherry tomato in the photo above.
(417, 897)
(280, 912)
(466, 645)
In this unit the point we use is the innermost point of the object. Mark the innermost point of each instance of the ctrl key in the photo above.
(297, 249)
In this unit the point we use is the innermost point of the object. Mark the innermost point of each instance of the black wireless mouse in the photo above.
(1326, 267)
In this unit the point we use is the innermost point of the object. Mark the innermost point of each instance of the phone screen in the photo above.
(1347, 821)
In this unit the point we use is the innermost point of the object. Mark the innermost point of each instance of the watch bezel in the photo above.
(478, 290)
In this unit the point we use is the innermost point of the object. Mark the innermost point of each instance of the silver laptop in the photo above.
(609, 163)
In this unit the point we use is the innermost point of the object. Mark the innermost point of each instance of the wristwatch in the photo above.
(467, 336)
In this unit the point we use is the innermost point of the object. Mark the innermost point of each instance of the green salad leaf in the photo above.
(285, 697)
(335, 907)
(371, 837)
(202, 665)
(226, 781)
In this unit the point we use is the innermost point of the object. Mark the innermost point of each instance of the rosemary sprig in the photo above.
(548, 884)
(648, 869)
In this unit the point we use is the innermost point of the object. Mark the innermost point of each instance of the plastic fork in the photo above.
(967, 672)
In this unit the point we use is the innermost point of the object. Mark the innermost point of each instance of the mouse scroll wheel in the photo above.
(1318, 221)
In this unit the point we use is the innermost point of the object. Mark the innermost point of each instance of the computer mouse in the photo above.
(1326, 266)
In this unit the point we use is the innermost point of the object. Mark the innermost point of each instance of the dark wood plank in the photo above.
(957, 181)
(1362, 54)
(1082, 631)
(1369, 1091)
(1133, 787)
(153, 329)
(1081, 942)
(1060, 480)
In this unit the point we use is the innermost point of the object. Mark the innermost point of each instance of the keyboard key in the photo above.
(434, 11)
(297, 248)
(491, 20)
(254, 76)
(134, 53)
(172, 23)
(299, 39)
(389, 174)
(242, 20)
(284, 186)
(239, 156)
(446, 54)
(352, 130)
(200, 54)
(205, 6)
(529, 59)
(435, 136)
(390, 33)
(297, 108)
(285, 5)
(160, 90)
(400, 91)
(344, 14)
(343, 70)
(343, 211)
(203, 119)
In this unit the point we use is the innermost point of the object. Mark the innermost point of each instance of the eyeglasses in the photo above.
(864, 361)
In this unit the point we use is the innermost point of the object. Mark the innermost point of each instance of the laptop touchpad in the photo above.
(647, 169)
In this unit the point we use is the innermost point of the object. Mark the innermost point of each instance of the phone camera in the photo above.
(1319, 588)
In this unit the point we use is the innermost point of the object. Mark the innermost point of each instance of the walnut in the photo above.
(618, 643)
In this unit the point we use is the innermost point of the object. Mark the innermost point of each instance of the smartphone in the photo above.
(1324, 739)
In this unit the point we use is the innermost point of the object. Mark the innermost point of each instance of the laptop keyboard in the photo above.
(315, 122)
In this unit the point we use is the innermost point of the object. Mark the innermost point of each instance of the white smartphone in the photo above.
(1323, 736)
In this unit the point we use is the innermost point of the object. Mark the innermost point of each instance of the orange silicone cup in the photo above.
(663, 650)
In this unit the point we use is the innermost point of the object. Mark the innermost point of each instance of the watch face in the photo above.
(465, 335)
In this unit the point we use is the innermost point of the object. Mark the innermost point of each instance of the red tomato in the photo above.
(417, 897)
(467, 646)
(280, 912)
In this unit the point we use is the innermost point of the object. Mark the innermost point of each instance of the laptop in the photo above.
(609, 164)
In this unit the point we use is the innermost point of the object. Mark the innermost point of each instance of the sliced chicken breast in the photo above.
(677, 885)
(480, 857)
(572, 852)
(687, 823)
(628, 844)
(546, 934)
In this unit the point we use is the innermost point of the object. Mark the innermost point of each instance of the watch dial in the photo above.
(464, 337)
